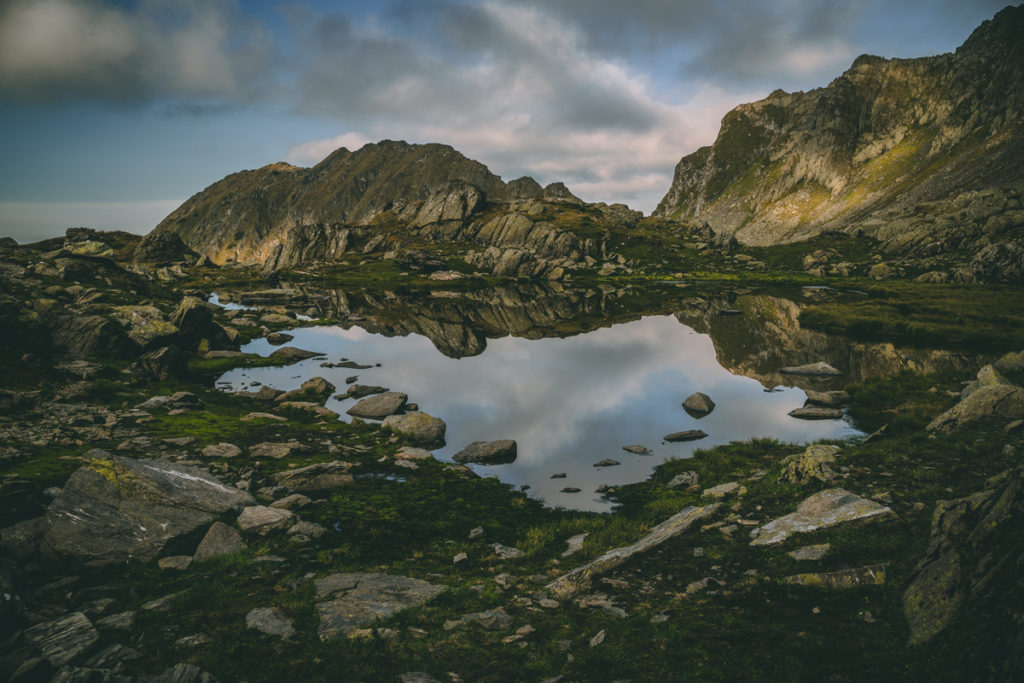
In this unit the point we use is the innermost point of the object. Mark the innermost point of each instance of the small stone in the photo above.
(688, 478)
(816, 413)
(270, 621)
(222, 450)
(659, 618)
(607, 462)
(597, 639)
(575, 544)
(688, 435)
(292, 502)
(476, 533)
(570, 489)
(723, 490)
(810, 552)
(559, 475)
(507, 552)
(262, 416)
(548, 603)
(176, 562)
(379, 406)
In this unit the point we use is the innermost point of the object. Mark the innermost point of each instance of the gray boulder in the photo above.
(688, 435)
(86, 336)
(699, 404)
(270, 621)
(816, 413)
(319, 477)
(316, 389)
(221, 450)
(822, 510)
(291, 354)
(262, 520)
(420, 428)
(64, 639)
(488, 452)
(165, 363)
(221, 539)
(990, 395)
(379, 406)
(351, 601)
(820, 369)
(114, 509)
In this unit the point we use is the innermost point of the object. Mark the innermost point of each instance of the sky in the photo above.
(113, 112)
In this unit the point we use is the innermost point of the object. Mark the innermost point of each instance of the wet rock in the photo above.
(871, 575)
(113, 509)
(816, 413)
(419, 427)
(639, 450)
(347, 602)
(688, 435)
(822, 510)
(63, 640)
(698, 404)
(607, 462)
(221, 539)
(315, 389)
(291, 354)
(318, 477)
(270, 621)
(163, 364)
(812, 464)
(275, 450)
(379, 406)
(488, 452)
(820, 368)
(810, 552)
(221, 450)
(828, 399)
(580, 579)
(262, 520)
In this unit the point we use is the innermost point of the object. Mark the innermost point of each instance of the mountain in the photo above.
(282, 215)
(924, 154)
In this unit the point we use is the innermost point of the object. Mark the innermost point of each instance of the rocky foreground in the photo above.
(156, 529)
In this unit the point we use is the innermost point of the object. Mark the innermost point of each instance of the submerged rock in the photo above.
(488, 452)
(824, 509)
(113, 509)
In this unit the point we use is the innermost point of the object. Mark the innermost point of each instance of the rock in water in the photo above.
(379, 406)
(824, 509)
(499, 452)
(820, 369)
(113, 509)
(420, 428)
(828, 399)
(292, 354)
(688, 435)
(816, 413)
(699, 404)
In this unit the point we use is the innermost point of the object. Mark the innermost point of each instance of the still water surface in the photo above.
(568, 402)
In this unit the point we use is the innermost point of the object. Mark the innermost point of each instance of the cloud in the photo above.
(85, 49)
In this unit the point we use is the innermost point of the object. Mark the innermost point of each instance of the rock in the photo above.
(88, 336)
(688, 478)
(822, 510)
(491, 620)
(194, 320)
(816, 413)
(570, 489)
(871, 575)
(278, 338)
(112, 656)
(815, 369)
(506, 552)
(639, 450)
(64, 639)
(418, 427)
(162, 249)
(163, 364)
(607, 462)
(184, 673)
(597, 639)
(575, 544)
(580, 579)
(316, 389)
(361, 390)
(145, 325)
(699, 404)
(270, 621)
(812, 464)
(113, 509)
(347, 602)
(411, 453)
(417, 677)
(460, 557)
(829, 399)
(222, 450)
(275, 450)
(122, 621)
(933, 597)
(292, 502)
(221, 539)
(176, 562)
(307, 529)
(262, 520)
(688, 435)
(318, 477)
(723, 490)
(248, 417)
(291, 354)
(990, 395)
(488, 452)
(810, 552)
(1010, 362)
(379, 406)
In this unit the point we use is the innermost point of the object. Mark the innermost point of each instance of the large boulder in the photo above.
(115, 509)
(145, 325)
(823, 510)
(194, 320)
(163, 249)
(347, 602)
(86, 336)
(166, 363)
(420, 428)
(379, 406)
(990, 395)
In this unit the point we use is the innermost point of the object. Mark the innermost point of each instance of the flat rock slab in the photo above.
(221, 450)
(379, 406)
(872, 575)
(351, 601)
(262, 519)
(698, 404)
(810, 552)
(270, 621)
(221, 539)
(820, 369)
(638, 449)
(113, 509)
(824, 509)
(816, 413)
(580, 579)
(829, 399)
(275, 450)
(420, 428)
(64, 639)
(488, 452)
(688, 435)
(318, 477)
(292, 354)
(361, 390)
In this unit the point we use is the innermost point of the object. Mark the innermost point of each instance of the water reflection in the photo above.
(568, 402)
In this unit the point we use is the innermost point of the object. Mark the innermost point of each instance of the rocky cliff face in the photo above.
(281, 215)
(912, 151)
